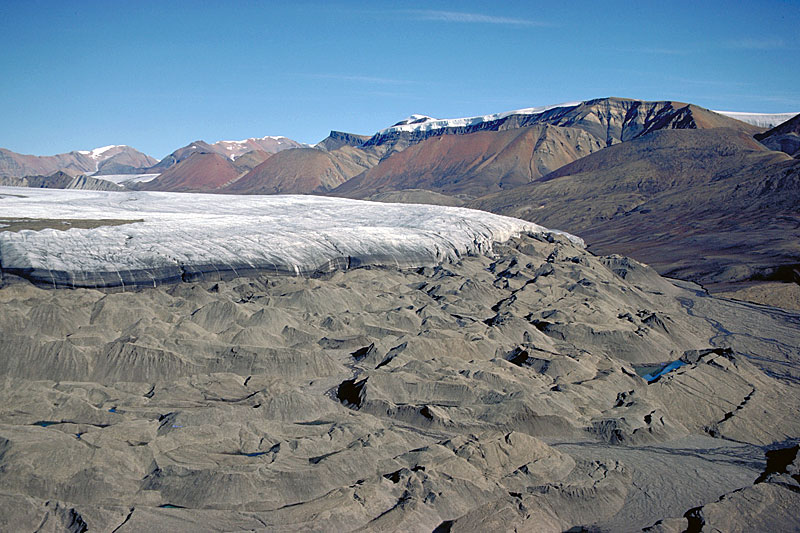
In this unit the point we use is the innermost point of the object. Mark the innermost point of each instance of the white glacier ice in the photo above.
(762, 120)
(201, 236)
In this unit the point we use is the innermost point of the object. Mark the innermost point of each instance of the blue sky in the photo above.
(158, 75)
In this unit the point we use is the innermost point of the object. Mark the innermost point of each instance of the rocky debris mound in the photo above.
(499, 391)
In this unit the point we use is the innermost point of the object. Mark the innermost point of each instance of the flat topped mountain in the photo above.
(611, 120)
(337, 139)
(481, 155)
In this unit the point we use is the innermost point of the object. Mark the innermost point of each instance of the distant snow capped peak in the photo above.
(762, 120)
(277, 138)
(426, 123)
(268, 143)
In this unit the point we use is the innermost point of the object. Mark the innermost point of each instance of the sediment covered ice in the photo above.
(201, 236)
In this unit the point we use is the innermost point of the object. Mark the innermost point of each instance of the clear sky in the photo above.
(158, 75)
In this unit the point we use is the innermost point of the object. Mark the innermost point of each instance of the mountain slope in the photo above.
(124, 160)
(250, 160)
(198, 172)
(337, 139)
(474, 164)
(60, 180)
(480, 155)
(304, 171)
(109, 158)
(706, 205)
(227, 149)
(610, 119)
(268, 144)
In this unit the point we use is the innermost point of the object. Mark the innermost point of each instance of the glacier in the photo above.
(190, 237)
(762, 120)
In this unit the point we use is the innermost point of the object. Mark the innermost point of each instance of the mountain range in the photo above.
(114, 159)
(698, 194)
(212, 362)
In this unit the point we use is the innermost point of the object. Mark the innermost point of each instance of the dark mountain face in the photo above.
(783, 137)
(337, 139)
(60, 180)
(707, 205)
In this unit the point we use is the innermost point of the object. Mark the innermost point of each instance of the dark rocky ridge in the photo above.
(611, 120)
(783, 137)
(337, 139)
(61, 180)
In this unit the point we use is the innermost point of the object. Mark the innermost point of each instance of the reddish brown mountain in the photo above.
(200, 172)
(304, 171)
(231, 150)
(475, 164)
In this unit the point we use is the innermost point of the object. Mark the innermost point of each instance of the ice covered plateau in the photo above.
(762, 120)
(200, 236)
(426, 123)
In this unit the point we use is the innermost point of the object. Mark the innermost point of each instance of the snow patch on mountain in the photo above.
(268, 143)
(762, 120)
(280, 139)
(434, 124)
(190, 236)
(97, 153)
(414, 119)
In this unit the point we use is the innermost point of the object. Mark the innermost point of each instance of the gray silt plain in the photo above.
(496, 393)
